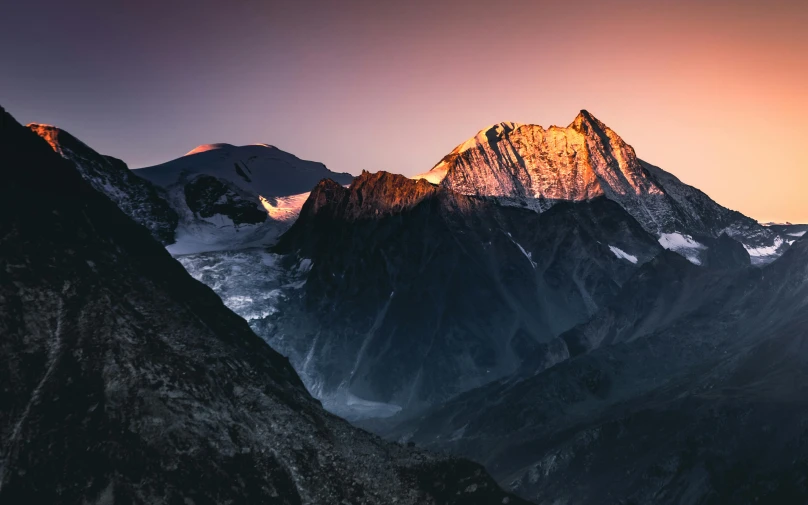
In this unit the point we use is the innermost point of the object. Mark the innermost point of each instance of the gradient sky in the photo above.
(714, 91)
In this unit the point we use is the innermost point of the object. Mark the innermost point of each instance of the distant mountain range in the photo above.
(216, 197)
(543, 301)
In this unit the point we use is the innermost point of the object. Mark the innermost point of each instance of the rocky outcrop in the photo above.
(207, 196)
(126, 381)
(528, 165)
(138, 198)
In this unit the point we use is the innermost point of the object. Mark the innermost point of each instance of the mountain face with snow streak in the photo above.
(230, 197)
(530, 166)
(407, 293)
(689, 388)
(136, 197)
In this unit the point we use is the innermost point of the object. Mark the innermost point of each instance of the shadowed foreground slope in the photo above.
(124, 380)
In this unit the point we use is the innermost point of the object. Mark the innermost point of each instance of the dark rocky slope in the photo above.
(689, 388)
(124, 380)
(136, 197)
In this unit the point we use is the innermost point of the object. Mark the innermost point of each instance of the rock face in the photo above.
(527, 165)
(138, 198)
(688, 388)
(230, 197)
(408, 293)
(124, 380)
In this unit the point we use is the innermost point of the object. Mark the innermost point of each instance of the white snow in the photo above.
(528, 255)
(765, 250)
(674, 241)
(276, 181)
(436, 175)
(798, 234)
(220, 234)
(623, 254)
(284, 208)
(682, 244)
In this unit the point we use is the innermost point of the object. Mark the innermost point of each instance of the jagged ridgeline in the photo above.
(124, 380)
(528, 165)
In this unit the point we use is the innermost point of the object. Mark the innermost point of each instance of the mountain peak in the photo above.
(58, 138)
(585, 122)
(530, 166)
(524, 163)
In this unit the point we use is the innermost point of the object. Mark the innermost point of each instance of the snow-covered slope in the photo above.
(138, 198)
(530, 166)
(230, 197)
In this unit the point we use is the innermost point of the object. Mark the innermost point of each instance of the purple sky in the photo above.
(714, 91)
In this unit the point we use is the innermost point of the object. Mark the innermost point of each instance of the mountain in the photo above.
(791, 232)
(136, 197)
(527, 165)
(232, 197)
(126, 381)
(396, 294)
(688, 388)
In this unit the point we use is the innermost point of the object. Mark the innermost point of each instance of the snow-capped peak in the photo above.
(526, 161)
(530, 166)
(585, 120)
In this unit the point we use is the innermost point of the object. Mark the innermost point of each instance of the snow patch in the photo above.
(528, 255)
(623, 254)
(682, 244)
(284, 208)
(798, 234)
(436, 175)
(674, 241)
(352, 407)
(765, 250)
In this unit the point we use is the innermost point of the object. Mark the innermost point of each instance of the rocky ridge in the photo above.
(138, 198)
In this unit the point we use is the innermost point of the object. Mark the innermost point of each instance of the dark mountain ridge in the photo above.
(416, 293)
(136, 197)
(688, 388)
(127, 381)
